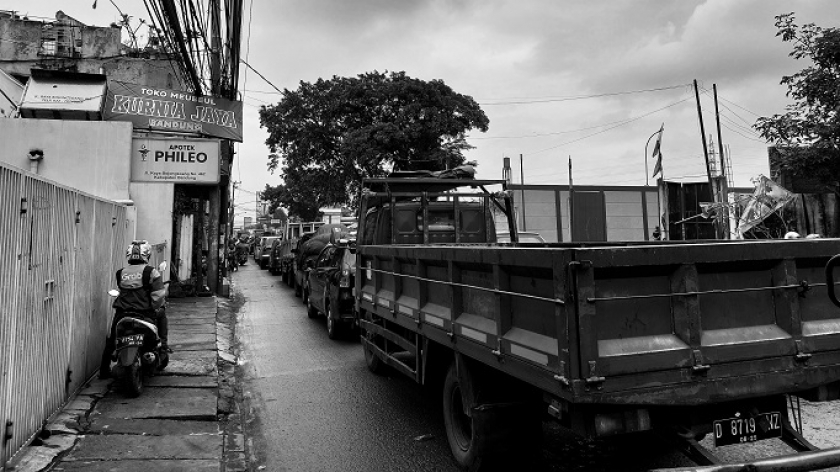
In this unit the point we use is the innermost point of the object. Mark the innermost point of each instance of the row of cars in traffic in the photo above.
(320, 267)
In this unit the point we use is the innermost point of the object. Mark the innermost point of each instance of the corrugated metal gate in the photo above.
(59, 249)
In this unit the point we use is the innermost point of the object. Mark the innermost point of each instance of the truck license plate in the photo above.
(133, 340)
(748, 429)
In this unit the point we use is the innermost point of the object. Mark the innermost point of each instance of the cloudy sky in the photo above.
(587, 79)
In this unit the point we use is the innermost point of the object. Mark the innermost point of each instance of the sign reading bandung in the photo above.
(169, 110)
(182, 161)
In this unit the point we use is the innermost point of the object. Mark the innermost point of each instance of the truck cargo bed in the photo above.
(654, 324)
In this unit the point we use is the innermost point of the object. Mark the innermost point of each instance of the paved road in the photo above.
(315, 406)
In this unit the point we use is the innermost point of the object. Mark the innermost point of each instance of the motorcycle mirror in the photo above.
(114, 292)
(162, 267)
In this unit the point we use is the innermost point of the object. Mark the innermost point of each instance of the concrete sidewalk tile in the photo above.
(140, 466)
(114, 447)
(163, 403)
(173, 322)
(235, 442)
(38, 458)
(97, 387)
(189, 368)
(152, 427)
(192, 381)
(64, 423)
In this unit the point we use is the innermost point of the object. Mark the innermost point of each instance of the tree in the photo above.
(813, 120)
(332, 133)
(297, 200)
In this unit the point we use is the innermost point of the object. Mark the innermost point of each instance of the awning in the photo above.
(63, 95)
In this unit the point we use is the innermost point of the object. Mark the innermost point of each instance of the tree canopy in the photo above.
(328, 135)
(813, 118)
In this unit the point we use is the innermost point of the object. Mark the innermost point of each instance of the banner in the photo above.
(157, 109)
(180, 161)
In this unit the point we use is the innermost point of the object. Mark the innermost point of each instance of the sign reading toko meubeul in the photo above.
(181, 161)
(173, 111)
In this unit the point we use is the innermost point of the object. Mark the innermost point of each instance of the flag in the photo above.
(657, 152)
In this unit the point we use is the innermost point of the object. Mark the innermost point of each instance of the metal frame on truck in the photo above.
(676, 338)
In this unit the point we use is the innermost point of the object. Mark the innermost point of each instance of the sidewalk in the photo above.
(186, 419)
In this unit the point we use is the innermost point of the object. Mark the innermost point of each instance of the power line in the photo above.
(581, 97)
(262, 77)
(628, 121)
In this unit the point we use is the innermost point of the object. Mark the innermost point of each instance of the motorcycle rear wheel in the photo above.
(134, 378)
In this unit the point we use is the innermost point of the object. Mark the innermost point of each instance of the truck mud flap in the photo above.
(801, 462)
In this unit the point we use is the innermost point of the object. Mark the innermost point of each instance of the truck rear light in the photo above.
(629, 421)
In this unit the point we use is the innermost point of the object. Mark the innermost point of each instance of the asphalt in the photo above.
(186, 419)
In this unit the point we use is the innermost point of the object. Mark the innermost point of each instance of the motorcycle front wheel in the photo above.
(134, 378)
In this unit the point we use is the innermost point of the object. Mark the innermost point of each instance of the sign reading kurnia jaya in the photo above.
(169, 110)
(180, 161)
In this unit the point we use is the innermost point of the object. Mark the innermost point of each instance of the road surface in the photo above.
(314, 406)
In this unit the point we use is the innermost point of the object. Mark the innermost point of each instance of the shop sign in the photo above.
(158, 109)
(180, 161)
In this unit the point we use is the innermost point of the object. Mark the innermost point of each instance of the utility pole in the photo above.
(215, 193)
(702, 132)
(522, 183)
(722, 187)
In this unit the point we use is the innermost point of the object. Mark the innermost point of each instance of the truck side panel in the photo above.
(645, 324)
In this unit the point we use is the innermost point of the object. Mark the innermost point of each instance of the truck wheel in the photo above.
(374, 363)
(311, 311)
(465, 447)
(504, 429)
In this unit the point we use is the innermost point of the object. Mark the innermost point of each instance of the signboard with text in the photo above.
(172, 111)
(180, 161)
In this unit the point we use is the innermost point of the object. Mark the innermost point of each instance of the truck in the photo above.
(676, 339)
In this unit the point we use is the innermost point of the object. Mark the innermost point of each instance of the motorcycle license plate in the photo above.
(132, 340)
(748, 429)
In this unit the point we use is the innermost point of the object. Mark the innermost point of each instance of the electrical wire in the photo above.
(579, 97)
(263, 77)
(620, 124)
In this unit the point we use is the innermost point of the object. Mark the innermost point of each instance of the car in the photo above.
(261, 251)
(330, 286)
(524, 237)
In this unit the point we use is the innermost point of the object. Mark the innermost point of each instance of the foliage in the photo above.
(298, 199)
(332, 133)
(813, 117)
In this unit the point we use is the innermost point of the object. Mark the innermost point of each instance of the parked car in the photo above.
(261, 251)
(524, 237)
(330, 285)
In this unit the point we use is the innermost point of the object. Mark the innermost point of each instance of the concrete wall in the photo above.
(624, 207)
(91, 156)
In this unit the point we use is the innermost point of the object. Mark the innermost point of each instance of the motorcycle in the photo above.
(242, 258)
(138, 350)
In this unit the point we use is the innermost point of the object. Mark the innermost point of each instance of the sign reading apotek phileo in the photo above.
(182, 161)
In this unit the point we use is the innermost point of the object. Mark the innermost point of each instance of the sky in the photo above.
(580, 79)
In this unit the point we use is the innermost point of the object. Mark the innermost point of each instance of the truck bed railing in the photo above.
(558, 301)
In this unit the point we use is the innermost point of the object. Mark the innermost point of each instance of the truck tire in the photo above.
(373, 363)
(466, 448)
(491, 437)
